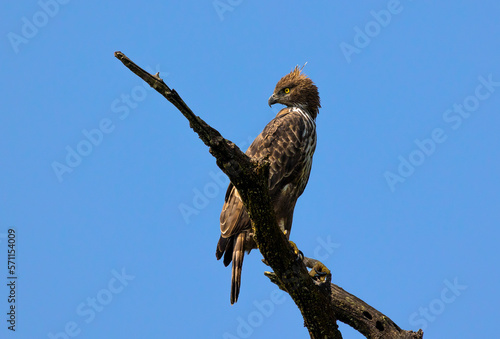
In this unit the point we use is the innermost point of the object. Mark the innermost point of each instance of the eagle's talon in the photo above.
(298, 253)
(300, 256)
(320, 272)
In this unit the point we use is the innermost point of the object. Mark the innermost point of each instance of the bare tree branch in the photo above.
(365, 319)
(321, 303)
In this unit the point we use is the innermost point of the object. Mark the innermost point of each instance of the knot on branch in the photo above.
(218, 140)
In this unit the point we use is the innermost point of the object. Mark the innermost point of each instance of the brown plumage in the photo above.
(288, 142)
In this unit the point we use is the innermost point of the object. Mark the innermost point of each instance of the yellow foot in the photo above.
(320, 271)
(298, 253)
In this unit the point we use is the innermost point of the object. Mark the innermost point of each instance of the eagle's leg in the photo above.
(298, 253)
(318, 270)
(321, 272)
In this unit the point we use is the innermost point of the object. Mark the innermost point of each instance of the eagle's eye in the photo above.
(287, 90)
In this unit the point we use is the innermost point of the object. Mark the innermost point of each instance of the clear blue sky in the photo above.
(402, 203)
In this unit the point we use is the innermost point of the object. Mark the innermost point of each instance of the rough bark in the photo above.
(320, 302)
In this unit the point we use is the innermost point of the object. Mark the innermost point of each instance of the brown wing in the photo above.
(233, 217)
(288, 143)
(233, 220)
(283, 143)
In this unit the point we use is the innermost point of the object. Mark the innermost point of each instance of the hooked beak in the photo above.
(272, 100)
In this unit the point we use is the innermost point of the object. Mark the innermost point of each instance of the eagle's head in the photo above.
(296, 90)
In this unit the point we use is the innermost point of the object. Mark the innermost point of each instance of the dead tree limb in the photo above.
(321, 303)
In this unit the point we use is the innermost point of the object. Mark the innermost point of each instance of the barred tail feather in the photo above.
(238, 256)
